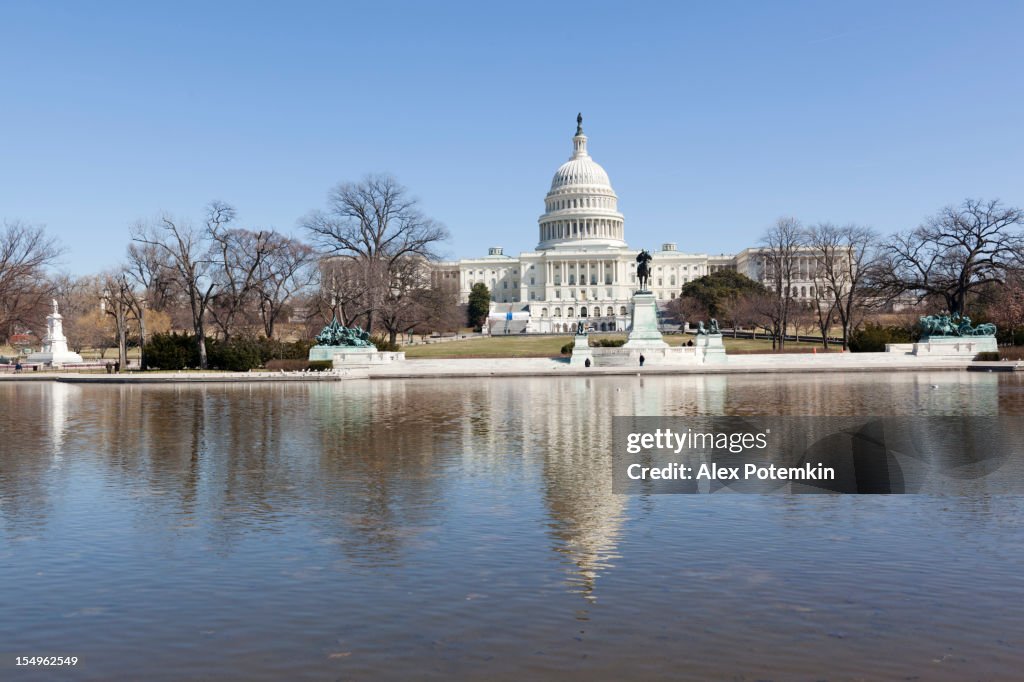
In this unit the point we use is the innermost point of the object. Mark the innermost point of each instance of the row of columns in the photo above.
(566, 229)
(602, 268)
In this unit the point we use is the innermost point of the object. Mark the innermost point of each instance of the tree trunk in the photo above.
(122, 348)
(142, 333)
(200, 332)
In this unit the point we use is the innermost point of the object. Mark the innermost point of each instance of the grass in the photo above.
(528, 346)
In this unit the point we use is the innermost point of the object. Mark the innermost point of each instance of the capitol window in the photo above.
(569, 312)
(558, 312)
(622, 311)
(543, 312)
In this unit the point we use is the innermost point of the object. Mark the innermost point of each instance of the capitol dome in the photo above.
(580, 171)
(581, 208)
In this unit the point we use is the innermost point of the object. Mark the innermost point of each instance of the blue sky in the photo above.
(712, 119)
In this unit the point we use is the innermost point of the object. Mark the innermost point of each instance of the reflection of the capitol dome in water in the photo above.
(569, 432)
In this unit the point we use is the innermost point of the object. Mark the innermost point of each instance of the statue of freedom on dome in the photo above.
(643, 269)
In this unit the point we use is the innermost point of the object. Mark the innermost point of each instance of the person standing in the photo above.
(641, 359)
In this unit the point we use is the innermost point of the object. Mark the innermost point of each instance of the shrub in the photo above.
(240, 354)
(987, 356)
(567, 348)
(873, 337)
(320, 365)
(170, 351)
(384, 344)
(237, 355)
(610, 343)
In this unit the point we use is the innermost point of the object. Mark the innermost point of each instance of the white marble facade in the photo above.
(582, 266)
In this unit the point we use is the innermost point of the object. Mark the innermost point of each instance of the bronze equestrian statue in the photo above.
(643, 270)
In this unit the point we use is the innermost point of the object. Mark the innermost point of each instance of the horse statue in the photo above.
(643, 270)
(953, 325)
(711, 329)
(334, 334)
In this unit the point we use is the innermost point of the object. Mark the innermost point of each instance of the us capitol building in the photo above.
(582, 266)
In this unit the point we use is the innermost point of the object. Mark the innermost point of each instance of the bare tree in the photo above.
(26, 252)
(185, 251)
(688, 309)
(802, 318)
(120, 302)
(954, 253)
(237, 256)
(285, 272)
(845, 258)
(759, 310)
(1006, 307)
(411, 301)
(150, 268)
(781, 245)
(376, 224)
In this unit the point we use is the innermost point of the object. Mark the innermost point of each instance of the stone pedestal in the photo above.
(963, 346)
(581, 352)
(364, 357)
(643, 328)
(353, 356)
(712, 349)
(55, 344)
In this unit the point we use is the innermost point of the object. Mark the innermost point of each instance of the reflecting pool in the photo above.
(432, 529)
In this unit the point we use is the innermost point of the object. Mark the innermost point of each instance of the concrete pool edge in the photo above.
(531, 367)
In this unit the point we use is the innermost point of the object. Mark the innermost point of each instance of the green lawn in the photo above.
(549, 346)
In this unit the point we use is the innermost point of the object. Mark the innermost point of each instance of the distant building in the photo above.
(582, 266)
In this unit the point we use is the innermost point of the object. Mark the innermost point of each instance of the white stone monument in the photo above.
(712, 348)
(55, 344)
(643, 328)
(581, 352)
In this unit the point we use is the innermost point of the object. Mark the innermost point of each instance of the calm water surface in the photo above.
(462, 528)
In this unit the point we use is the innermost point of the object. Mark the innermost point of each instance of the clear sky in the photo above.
(712, 119)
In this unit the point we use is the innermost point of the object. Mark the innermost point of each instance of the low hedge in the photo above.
(987, 356)
(873, 337)
(240, 354)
